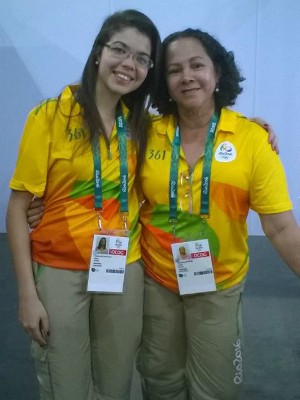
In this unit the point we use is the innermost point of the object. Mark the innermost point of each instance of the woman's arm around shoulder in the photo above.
(272, 137)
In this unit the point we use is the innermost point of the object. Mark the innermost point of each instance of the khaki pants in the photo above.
(93, 337)
(191, 345)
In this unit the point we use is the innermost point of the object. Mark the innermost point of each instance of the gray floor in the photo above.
(271, 322)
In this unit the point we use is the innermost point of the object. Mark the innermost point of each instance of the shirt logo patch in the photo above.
(225, 152)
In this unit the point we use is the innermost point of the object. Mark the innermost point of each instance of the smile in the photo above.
(188, 91)
(123, 77)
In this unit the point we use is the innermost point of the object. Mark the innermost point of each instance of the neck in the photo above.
(191, 119)
(194, 124)
(107, 110)
(107, 105)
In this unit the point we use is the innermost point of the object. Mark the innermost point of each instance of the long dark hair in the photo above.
(137, 101)
(230, 77)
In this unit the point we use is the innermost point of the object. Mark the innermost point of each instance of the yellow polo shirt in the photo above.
(56, 162)
(245, 174)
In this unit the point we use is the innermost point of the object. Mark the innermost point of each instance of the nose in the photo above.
(128, 61)
(187, 75)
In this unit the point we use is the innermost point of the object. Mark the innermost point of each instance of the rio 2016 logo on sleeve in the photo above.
(225, 152)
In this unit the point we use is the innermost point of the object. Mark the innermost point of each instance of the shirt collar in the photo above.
(228, 121)
(165, 125)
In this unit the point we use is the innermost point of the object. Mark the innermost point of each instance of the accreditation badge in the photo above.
(194, 267)
(108, 263)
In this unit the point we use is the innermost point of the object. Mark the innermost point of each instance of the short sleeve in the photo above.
(32, 163)
(269, 192)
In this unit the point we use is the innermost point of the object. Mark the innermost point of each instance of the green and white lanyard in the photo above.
(206, 173)
(121, 130)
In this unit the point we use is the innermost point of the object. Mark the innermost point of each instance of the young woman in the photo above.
(205, 166)
(79, 152)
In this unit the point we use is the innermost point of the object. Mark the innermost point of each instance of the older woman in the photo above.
(205, 166)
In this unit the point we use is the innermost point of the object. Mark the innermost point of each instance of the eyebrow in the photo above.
(190, 59)
(125, 45)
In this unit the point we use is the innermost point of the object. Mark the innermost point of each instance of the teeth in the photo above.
(124, 77)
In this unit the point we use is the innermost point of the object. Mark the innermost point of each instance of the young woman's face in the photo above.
(182, 251)
(120, 73)
(191, 75)
(103, 242)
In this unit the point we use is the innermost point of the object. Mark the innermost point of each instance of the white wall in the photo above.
(44, 45)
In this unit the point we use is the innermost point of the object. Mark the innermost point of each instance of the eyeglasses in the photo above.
(121, 51)
(186, 199)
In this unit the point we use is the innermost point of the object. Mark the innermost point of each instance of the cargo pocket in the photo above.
(40, 357)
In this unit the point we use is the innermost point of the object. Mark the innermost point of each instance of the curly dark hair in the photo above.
(230, 77)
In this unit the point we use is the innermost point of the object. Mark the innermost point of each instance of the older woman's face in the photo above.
(191, 74)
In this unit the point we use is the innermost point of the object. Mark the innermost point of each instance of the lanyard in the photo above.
(206, 172)
(121, 129)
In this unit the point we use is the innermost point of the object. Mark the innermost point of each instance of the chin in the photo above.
(192, 104)
(121, 90)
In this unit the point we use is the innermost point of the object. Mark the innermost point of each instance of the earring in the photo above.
(170, 99)
(217, 89)
(96, 62)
